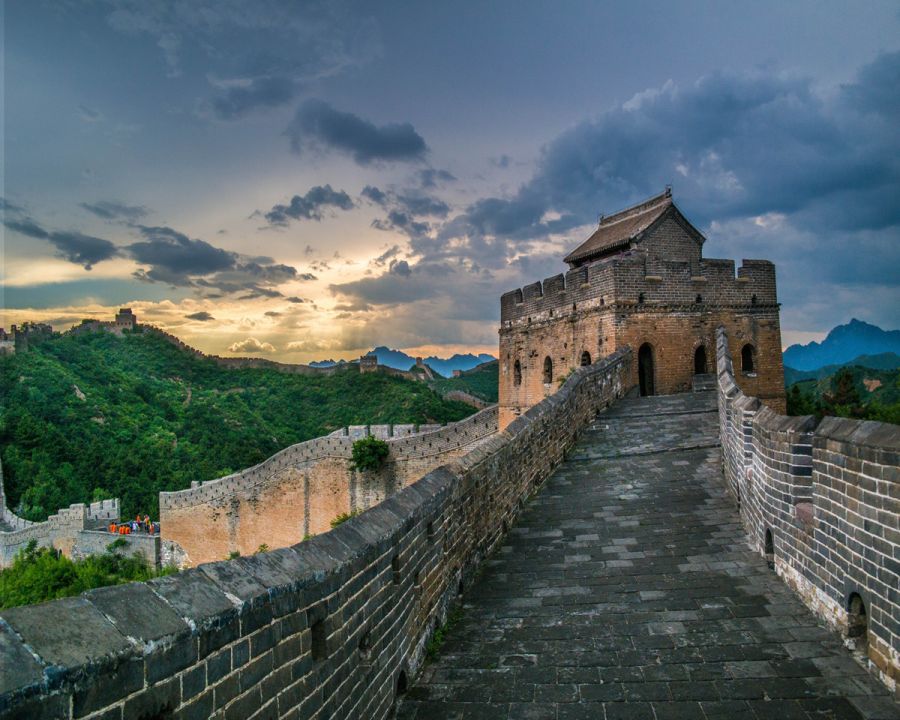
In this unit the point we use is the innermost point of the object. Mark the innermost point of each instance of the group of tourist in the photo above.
(138, 525)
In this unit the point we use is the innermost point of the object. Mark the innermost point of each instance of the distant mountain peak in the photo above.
(442, 366)
(842, 344)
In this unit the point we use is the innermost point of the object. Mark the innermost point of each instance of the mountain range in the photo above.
(882, 361)
(842, 345)
(401, 361)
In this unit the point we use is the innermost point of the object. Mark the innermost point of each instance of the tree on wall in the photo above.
(369, 454)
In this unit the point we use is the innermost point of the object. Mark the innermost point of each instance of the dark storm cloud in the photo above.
(388, 254)
(403, 210)
(202, 316)
(403, 286)
(27, 227)
(7, 206)
(399, 284)
(253, 59)
(733, 145)
(175, 258)
(876, 89)
(265, 92)
(376, 195)
(401, 222)
(310, 206)
(84, 250)
(112, 210)
(423, 205)
(432, 177)
(399, 267)
(318, 124)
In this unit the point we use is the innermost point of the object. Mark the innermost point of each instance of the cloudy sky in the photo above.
(306, 180)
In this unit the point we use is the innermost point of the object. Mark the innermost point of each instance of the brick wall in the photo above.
(828, 496)
(635, 298)
(63, 531)
(298, 491)
(329, 628)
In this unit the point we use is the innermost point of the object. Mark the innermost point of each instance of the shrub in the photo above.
(40, 574)
(342, 518)
(369, 454)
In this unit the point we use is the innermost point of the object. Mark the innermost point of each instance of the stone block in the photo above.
(169, 659)
(137, 612)
(20, 669)
(104, 690)
(194, 597)
(235, 581)
(70, 632)
(156, 701)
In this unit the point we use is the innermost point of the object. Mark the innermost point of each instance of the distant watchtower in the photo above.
(368, 363)
(641, 280)
(125, 320)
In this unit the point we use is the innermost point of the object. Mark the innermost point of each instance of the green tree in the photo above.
(369, 453)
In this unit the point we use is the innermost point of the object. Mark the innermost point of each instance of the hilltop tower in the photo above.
(641, 280)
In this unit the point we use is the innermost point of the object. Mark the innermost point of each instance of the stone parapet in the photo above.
(332, 627)
(822, 502)
(626, 280)
(301, 490)
(62, 531)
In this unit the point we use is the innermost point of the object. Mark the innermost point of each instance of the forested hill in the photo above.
(99, 416)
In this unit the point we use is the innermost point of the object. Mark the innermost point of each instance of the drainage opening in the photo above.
(857, 623)
(319, 641)
(770, 549)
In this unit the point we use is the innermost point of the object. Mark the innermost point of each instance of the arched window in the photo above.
(748, 353)
(517, 373)
(700, 360)
(548, 371)
(585, 358)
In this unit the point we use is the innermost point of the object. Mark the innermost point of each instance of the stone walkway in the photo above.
(627, 590)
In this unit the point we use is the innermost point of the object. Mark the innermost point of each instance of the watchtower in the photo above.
(368, 363)
(641, 280)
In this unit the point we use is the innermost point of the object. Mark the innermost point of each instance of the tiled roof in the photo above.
(620, 229)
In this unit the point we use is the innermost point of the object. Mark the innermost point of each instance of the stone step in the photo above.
(704, 383)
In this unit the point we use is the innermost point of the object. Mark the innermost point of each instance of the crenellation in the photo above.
(651, 291)
(828, 495)
(300, 490)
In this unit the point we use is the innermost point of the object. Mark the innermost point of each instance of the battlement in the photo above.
(63, 530)
(821, 502)
(626, 280)
(429, 439)
(302, 489)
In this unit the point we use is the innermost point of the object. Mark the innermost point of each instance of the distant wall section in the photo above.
(70, 530)
(300, 490)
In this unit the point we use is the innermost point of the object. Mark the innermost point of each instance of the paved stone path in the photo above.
(627, 590)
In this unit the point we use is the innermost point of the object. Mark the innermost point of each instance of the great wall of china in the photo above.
(300, 490)
(294, 494)
(822, 503)
(336, 626)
